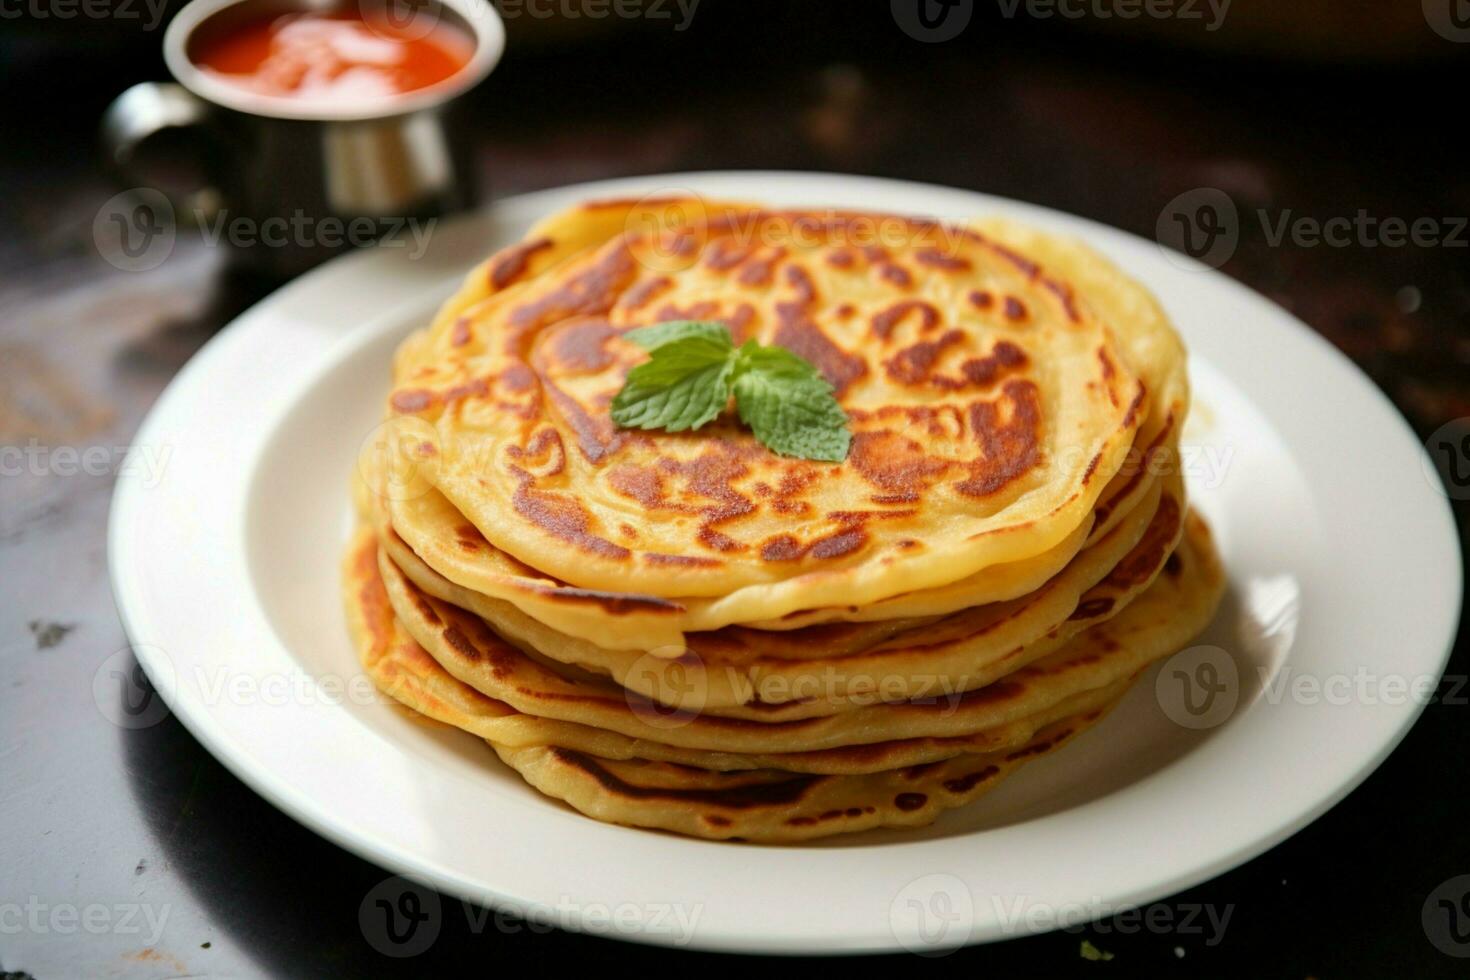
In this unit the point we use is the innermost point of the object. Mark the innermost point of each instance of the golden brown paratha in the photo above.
(763, 804)
(771, 806)
(470, 651)
(405, 671)
(986, 398)
(623, 618)
(688, 632)
(759, 674)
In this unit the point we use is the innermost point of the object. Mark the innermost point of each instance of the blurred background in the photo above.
(1318, 108)
(1111, 109)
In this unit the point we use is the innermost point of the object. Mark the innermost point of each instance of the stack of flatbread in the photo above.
(688, 631)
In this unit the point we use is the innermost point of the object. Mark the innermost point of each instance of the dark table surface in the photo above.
(144, 823)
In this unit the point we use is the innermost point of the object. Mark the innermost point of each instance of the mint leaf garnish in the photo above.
(685, 384)
(694, 368)
(672, 331)
(674, 401)
(789, 405)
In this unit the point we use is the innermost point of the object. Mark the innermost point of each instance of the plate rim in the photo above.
(126, 499)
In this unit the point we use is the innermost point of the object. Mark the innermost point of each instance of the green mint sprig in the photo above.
(694, 368)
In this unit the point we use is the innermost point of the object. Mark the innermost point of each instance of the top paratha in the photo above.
(989, 400)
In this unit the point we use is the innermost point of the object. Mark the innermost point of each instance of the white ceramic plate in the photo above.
(1343, 568)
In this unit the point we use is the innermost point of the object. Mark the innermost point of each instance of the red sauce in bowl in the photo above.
(337, 57)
